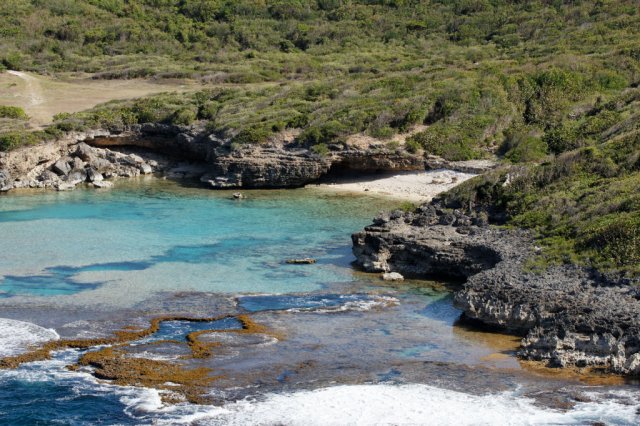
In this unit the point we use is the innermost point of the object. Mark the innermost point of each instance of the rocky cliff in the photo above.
(217, 162)
(570, 316)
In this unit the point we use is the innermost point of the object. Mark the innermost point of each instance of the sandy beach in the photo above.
(410, 186)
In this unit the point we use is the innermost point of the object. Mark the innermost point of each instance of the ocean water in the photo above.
(350, 348)
(116, 247)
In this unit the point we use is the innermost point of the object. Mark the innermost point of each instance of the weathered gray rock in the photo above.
(101, 165)
(65, 186)
(103, 184)
(423, 245)
(94, 176)
(5, 181)
(264, 167)
(278, 163)
(61, 167)
(433, 162)
(145, 169)
(85, 152)
(571, 316)
(76, 176)
(77, 164)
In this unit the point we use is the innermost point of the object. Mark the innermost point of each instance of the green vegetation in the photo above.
(550, 86)
(15, 113)
(474, 70)
(583, 204)
(13, 122)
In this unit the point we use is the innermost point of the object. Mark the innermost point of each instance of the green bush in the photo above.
(412, 146)
(320, 149)
(184, 116)
(13, 140)
(251, 135)
(520, 146)
(563, 137)
(446, 141)
(616, 239)
(528, 149)
(16, 113)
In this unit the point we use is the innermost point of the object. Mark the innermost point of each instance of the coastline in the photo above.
(464, 246)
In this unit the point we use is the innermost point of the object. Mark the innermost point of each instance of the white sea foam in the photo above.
(17, 337)
(412, 404)
(353, 305)
(383, 404)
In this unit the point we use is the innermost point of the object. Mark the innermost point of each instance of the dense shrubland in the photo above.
(584, 204)
(487, 75)
(551, 86)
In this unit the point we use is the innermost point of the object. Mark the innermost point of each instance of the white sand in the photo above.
(410, 186)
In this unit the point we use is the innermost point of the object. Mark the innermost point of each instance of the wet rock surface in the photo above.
(570, 316)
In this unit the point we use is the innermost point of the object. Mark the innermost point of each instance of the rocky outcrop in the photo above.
(217, 162)
(570, 316)
(64, 164)
(428, 242)
(433, 162)
(265, 167)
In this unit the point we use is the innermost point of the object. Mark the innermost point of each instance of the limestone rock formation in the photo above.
(570, 316)
(218, 163)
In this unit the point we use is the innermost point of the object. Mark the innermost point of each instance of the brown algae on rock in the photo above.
(115, 364)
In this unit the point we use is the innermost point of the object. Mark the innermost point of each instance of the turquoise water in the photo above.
(89, 247)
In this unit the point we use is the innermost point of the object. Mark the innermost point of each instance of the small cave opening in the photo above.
(346, 171)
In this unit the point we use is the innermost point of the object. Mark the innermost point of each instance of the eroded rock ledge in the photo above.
(188, 152)
(570, 316)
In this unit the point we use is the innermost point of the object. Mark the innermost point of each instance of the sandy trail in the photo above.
(417, 187)
(43, 97)
(33, 89)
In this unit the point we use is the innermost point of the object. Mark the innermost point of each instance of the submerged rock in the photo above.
(102, 184)
(302, 261)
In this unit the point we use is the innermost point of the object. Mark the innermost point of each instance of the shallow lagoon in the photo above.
(98, 246)
(86, 263)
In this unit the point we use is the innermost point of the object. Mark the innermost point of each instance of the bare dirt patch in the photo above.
(43, 97)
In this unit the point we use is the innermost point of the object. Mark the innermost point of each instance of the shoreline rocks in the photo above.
(187, 152)
(568, 315)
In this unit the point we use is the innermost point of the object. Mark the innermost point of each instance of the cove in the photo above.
(149, 237)
(84, 264)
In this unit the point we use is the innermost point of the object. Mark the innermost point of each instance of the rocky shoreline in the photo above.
(178, 152)
(569, 316)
